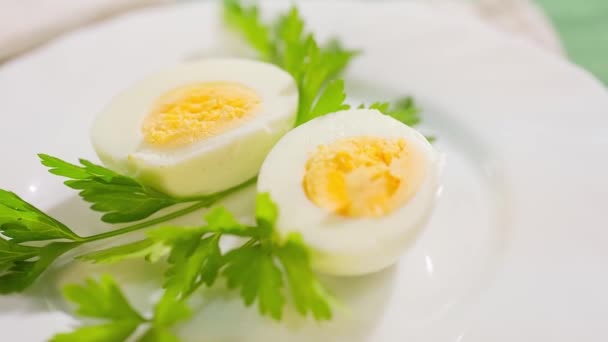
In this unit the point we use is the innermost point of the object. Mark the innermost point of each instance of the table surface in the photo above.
(583, 27)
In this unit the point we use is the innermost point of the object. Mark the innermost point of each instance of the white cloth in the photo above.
(522, 17)
(25, 24)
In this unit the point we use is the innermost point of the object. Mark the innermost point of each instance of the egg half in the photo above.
(358, 186)
(197, 128)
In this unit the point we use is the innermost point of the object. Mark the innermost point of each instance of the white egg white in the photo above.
(212, 164)
(344, 245)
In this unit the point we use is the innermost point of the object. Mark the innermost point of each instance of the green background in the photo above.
(583, 27)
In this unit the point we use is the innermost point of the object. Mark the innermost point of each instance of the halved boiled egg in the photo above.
(358, 186)
(197, 128)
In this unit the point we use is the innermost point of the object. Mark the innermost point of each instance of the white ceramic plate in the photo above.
(516, 250)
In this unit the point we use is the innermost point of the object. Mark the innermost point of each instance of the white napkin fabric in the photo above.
(522, 17)
(25, 24)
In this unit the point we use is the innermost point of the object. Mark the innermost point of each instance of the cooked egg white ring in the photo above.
(209, 165)
(345, 245)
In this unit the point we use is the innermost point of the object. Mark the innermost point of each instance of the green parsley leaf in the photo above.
(290, 30)
(253, 270)
(147, 248)
(22, 272)
(171, 235)
(194, 259)
(339, 58)
(309, 295)
(11, 252)
(220, 220)
(169, 311)
(380, 106)
(404, 110)
(120, 198)
(23, 222)
(331, 100)
(193, 263)
(266, 213)
(318, 68)
(246, 20)
(101, 299)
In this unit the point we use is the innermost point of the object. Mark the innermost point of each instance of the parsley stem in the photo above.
(249, 243)
(202, 203)
(219, 195)
(145, 224)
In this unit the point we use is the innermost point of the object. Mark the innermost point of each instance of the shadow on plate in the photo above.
(220, 313)
(360, 307)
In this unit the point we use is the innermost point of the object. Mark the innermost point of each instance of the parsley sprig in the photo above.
(255, 267)
(315, 68)
(261, 269)
(122, 198)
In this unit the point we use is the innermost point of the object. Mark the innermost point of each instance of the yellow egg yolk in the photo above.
(194, 112)
(363, 176)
